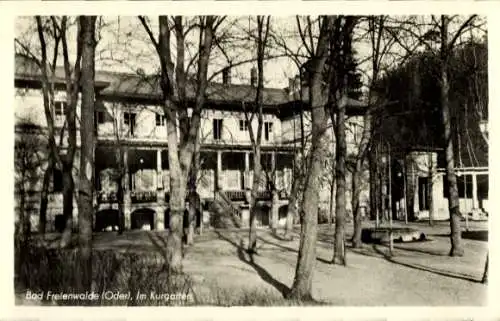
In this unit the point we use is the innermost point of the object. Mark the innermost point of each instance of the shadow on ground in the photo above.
(377, 252)
(264, 275)
(480, 235)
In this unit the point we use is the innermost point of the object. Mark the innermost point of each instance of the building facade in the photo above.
(129, 117)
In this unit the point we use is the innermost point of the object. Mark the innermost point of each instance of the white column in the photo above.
(219, 171)
(160, 194)
(474, 191)
(247, 170)
(159, 173)
(273, 168)
(126, 192)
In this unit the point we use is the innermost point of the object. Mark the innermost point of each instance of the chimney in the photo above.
(253, 77)
(226, 76)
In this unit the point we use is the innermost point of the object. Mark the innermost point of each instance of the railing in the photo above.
(226, 202)
(235, 195)
(264, 195)
(239, 195)
(106, 197)
(143, 196)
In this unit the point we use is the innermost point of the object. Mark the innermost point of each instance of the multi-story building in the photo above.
(129, 115)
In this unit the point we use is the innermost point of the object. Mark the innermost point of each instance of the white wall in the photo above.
(231, 133)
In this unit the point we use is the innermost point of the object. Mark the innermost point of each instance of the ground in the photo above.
(418, 274)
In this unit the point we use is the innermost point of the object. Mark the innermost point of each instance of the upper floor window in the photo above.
(129, 120)
(161, 120)
(243, 125)
(268, 130)
(60, 109)
(217, 128)
(98, 119)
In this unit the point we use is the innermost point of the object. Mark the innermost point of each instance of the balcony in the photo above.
(107, 197)
(143, 196)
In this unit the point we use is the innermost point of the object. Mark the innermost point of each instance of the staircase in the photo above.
(224, 213)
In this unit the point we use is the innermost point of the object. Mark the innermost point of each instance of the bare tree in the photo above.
(380, 46)
(257, 111)
(49, 33)
(58, 30)
(446, 47)
(87, 44)
(302, 284)
(340, 49)
(173, 84)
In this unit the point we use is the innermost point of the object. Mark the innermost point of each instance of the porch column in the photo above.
(160, 195)
(247, 170)
(159, 185)
(126, 192)
(474, 191)
(220, 181)
(273, 168)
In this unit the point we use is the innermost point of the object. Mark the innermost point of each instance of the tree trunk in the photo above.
(194, 208)
(356, 192)
(340, 100)
(274, 210)
(292, 209)
(453, 201)
(331, 215)
(302, 283)
(193, 197)
(21, 233)
(68, 190)
(340, 182)
(257, 172)
(177, 199)
(44, 197)
(85, 192)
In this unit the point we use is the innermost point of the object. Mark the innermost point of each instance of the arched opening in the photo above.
(107, 218)
(262, 216)
(141, 217)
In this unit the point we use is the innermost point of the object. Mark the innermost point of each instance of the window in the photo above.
(57, 182)
(243, 125)
(99, 116)
(217, 129)
(59, 109)
(268, 130)
(161, 120)
(129, 120)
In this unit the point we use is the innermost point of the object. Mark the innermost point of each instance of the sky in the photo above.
(123, 45)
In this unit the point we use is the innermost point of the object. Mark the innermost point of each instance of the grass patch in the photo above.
(124, 278)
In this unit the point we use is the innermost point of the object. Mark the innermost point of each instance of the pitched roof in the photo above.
(116, 85)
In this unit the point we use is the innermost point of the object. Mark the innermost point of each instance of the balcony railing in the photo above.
(143, 196)
(236, 195)
(239, 195)
(107, 197)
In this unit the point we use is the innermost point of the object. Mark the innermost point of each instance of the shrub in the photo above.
(41, 269)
